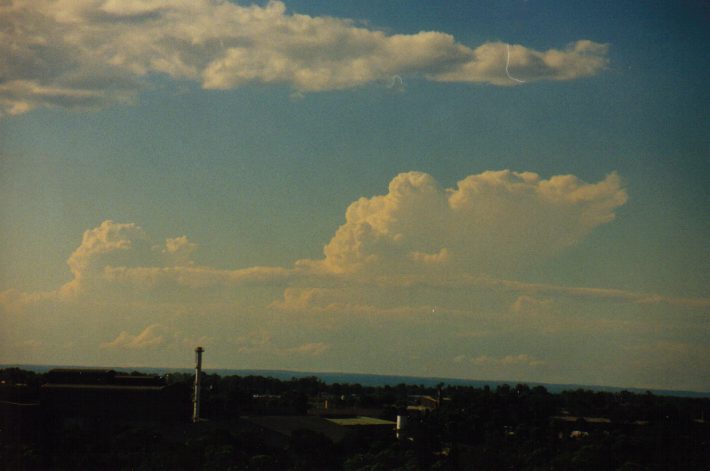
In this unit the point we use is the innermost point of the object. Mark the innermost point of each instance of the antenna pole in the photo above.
(198, 381)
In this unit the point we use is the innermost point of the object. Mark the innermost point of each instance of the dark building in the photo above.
(277, 431)
(86, 397)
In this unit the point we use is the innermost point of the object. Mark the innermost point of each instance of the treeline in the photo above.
(514, 404)
(507, 427)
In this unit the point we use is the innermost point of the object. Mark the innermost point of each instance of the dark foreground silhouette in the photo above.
(99, 419)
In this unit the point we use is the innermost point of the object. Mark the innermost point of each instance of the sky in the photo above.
(494, 190)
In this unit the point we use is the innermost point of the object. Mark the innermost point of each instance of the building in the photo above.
(278, 430)
(89, 397)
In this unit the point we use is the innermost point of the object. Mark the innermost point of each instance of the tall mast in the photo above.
(198, 381)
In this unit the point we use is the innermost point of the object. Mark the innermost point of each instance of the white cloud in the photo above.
(107, 238)
(490, 223)
(417, 236)
(119, 254)
(155, 336)
(488, 63)
(90, 53)
(151, 337)
(178, 250)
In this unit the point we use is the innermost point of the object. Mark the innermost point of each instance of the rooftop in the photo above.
(355, 421)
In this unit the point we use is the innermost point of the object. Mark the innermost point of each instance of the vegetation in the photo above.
(509, 427)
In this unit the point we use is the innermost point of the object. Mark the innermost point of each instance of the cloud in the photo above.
(309, 349)
(194, 276)
(420, 270)
(295, 299)
(471, 238)
(529, 305)
(119, 254)
(154, 336)
(593, 293)
(96, 244)
(418, 234)
(260, 342)
(503, 361)
(105, 238)
(151, 337)
(488, 63)
(14, 301)
(91, 53)
(326, 307)
(559, 316)
(484, 281)
(178, 250)
(440, 257)
(492, 222)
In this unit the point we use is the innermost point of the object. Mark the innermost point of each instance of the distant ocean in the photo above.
(373, 379)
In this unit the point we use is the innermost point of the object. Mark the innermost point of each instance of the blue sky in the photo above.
(173, 177)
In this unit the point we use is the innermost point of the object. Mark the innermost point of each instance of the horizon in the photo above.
(500, 189)
(330, 377)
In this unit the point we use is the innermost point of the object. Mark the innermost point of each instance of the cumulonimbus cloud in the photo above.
(418, 232)
(489, 223)
(91, 53)
(440, 261)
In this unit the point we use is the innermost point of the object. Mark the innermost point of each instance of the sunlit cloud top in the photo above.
(92, 53)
